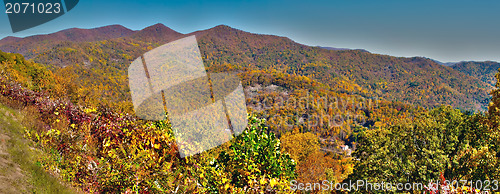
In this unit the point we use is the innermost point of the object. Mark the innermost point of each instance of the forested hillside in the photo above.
(314, 114)
(485, 71)
(413, 80)
(31, 46)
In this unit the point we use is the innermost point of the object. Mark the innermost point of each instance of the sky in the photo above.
(447, 31)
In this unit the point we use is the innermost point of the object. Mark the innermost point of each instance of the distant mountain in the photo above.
(342, 49)
(414, 80)
(156, 33)
(448, 64)
(41, 42)
(485, 71)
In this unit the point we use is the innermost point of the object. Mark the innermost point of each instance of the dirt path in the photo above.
(10, 172)
(18, 171)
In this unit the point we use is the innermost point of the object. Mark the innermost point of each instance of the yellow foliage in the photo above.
(300, 145)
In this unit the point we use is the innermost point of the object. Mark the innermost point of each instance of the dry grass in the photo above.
(19, 171)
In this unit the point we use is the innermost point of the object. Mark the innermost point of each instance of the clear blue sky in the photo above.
(448, 31)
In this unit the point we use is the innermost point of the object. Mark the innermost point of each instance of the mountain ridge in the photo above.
(40, 42)
(62, 33)
(416, 80)
(156, 33)
(484, 70)
(341, 49)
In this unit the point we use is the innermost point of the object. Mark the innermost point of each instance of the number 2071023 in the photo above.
(38, 8)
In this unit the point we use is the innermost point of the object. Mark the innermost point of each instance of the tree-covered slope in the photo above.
(32, 45)
(413, 80)
(485, 71)
(79, 105)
